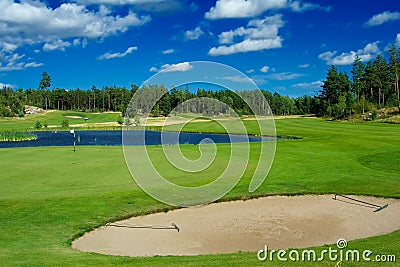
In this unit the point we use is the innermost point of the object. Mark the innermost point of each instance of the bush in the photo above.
(374, 114)
(38, 125)
(120, 120)
(127, 122)
(6, 112)
(137, 120)
(65, 123)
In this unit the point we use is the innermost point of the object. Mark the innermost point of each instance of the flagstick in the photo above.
(73, 132)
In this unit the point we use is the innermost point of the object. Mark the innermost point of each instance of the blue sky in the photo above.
(282, 45)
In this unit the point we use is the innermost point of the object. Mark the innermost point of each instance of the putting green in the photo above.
(386, 162)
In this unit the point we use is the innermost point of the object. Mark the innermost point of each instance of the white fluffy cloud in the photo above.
(118, 54)
(33, 65)
(2, 85)
(193, 34)
(246, 46)
(14, 61)
(238, 79)
(117, 2)
(298, 6)
(56, 45)
(311, 85)
(179, 67)
(284, 76)
(382, 18)
(259, 34)
(29, 22)
(365, 54)
(250, 71)
(146, 5)
(251, 8)
(264, 69)
(8, 47)
(398, 40)
(168, 51)
(153, 69)
(304, 66)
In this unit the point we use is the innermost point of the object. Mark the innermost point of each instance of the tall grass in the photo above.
(80, 128)
(14, 136)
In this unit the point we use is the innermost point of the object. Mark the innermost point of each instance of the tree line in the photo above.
(108, 98)
(372, 85)
(113, 98)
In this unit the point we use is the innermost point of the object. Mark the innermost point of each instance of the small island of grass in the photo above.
(16, 136)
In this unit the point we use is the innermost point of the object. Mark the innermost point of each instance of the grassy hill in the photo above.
(54, 118)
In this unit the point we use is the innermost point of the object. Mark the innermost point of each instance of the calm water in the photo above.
(114, 138)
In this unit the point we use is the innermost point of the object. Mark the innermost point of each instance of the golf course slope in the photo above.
(280, 222)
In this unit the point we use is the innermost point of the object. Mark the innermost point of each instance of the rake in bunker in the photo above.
(364, 203)
(158, 227)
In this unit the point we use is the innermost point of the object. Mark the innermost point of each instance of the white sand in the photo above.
(279, 222)
(73, 117)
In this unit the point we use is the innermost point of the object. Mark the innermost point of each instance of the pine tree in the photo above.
(357, 75)
(330, 89)
(377, 77)
(45, 83)
(394, 69)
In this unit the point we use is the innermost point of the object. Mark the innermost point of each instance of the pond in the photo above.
(114, 138)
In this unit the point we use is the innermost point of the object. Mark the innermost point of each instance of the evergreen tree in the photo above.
(335, 94)
(377, 79)
(330, 89)
(394, 69)
(357, 77)
(45, 83)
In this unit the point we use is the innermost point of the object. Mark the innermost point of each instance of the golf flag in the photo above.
(72, 131)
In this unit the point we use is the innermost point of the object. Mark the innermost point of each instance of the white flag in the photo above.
(71, 131)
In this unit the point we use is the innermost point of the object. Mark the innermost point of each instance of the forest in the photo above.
(370, 86)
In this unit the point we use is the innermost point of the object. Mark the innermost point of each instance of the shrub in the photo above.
(374, 114)
(38, 125)
(5, 111)
(65, 123)
(137, 120)
(120, 120)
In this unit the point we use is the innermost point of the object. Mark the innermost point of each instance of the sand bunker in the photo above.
(279, 222)
(73, 117)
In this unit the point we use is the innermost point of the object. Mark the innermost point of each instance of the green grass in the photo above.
(51, 195)
(55, 118)
(15, 136)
